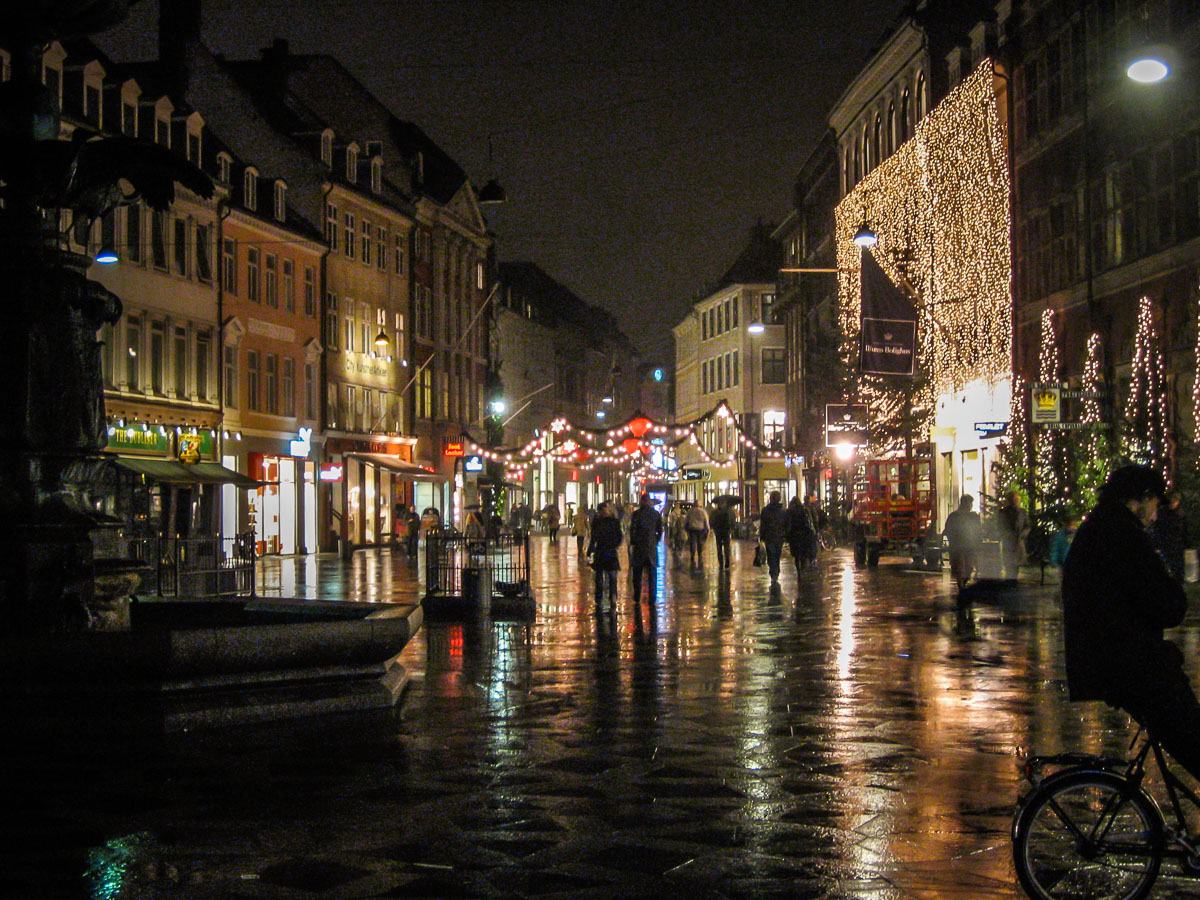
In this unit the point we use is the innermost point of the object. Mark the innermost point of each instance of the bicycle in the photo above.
(1091, 829)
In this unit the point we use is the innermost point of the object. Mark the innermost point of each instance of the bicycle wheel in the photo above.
(1088, 834)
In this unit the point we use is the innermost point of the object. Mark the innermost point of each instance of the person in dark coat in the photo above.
(604, 540)
(722, 529)
(1118, 597)
(801, 534)
(772, 531)
(645, 531)
(1170, 534)
(964, 530)
(1012, 523)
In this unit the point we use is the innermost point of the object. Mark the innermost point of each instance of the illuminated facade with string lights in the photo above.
(939, 206)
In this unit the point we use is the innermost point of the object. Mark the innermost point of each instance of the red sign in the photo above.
(331, 472)
(827, 474)
(454, 448)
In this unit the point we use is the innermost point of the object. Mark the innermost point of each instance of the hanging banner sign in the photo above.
(888, 346)
(1047, 404)
(846, 423)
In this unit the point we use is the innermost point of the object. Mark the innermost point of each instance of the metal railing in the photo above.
(197, 567)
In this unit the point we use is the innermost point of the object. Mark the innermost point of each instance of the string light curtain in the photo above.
(939, 206)
(1050, 444)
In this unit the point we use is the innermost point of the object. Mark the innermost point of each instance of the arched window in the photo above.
(250, 189)
(847, 172)
(920, 102)
(866, 150)
(877, 144)
(857, 162)
(327, 147)
(905, 131)
(892, 143)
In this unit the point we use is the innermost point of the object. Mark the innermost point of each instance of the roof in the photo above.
(759, 261)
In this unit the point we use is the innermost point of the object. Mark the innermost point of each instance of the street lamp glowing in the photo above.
(498, 407)
(865, 237)
(756, 328)
(1147, 69)
(107, 255)
(844, 452)
(381, 340)
(600, 414)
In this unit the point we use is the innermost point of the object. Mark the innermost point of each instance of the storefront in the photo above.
(375, 476)
(968, 427)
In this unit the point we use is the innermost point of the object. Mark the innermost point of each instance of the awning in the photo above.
(170, 471)
(399, 466)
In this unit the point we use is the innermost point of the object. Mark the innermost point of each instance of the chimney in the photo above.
(178, 35)
(275, 62)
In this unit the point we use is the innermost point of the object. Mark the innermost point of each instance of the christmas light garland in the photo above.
(939, 206)
(1049, 443)
(587, 449)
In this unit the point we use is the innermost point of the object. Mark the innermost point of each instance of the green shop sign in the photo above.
(139, 440)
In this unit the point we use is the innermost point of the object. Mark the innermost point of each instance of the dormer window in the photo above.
(376, 175)
(352, 163)
(250, 189)
(93, 82)
(52, 69)
(224, 164)
(327, 147)
(280, 201)
(193, 130)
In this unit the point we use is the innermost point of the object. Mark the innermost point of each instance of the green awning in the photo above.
(170, 471)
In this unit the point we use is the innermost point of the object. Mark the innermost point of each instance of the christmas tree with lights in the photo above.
(1093, 456)
(1143, 434)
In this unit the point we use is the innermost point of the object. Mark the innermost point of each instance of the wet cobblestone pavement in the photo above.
(852, 734)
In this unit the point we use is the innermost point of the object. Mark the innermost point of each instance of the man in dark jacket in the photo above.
(602, 548)
(772, 531)
(1117, 599)
(645, 531)
(722, 529)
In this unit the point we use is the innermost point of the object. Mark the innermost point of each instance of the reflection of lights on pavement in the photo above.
(846, 627)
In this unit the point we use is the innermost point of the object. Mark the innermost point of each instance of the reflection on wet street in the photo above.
(845, 734)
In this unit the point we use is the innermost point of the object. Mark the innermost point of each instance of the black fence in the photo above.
(472, 569)
(197, 567)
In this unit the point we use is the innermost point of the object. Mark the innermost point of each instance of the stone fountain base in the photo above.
(199, 664)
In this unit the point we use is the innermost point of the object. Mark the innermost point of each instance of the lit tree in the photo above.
(1012, 467)
(1093, 453)
(1144, 437)
(1053, 489)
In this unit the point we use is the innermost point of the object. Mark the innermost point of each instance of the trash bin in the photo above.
(472, 585)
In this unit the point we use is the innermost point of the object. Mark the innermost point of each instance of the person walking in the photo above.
(820, 519)
(604, 541)
(696, 523)
(581, 525)
(553, 519)
(772, 531)
(801, 534)
(645, 531)
(1061, 545)
(1170, 534)
(1013, 526)
(722, 529)
(412, 522)
(1118, 597)
(963, 531)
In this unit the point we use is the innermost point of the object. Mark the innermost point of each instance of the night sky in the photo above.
(637, 141)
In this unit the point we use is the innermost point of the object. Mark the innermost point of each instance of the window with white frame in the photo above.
(252, 380)
(203, 253)
(327, 148)
(331, 320)
(376, 175)
(398, 254)
(310, 292)
(252, 264)
(348, 230)
(331, 226)
(774, 422)
(271, 280)
(280, 201)
(229, 277)
(224, 167)
(250, 189)
(230, 377)
(180, 246)
(365, 240)
(287, 384)
(380, 247)
(289, 286)
(352, 163)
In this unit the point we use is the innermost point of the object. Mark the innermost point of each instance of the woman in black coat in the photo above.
(801, 535)
(605, 540)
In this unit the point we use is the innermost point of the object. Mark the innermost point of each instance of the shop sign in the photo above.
(150, 440)
(473, 464)
(1047, 403)
(453, 448)
(691, 475)
(303, 446)
(991, 429)
(193, 446)
(846, 423)
(331, 472)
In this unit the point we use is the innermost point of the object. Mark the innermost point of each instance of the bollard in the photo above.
(472, 592)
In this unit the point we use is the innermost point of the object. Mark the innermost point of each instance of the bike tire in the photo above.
(1088, 834)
